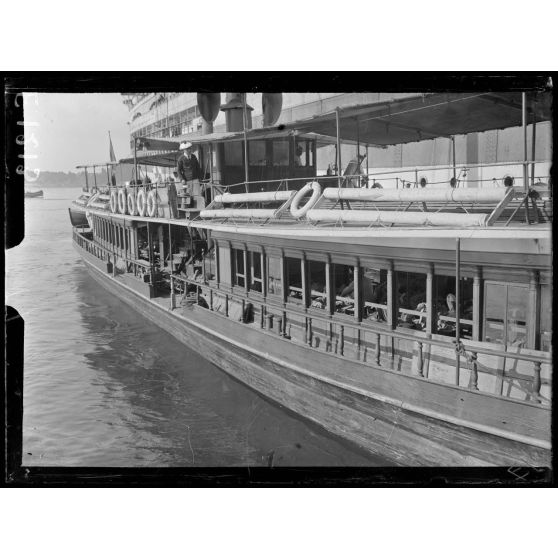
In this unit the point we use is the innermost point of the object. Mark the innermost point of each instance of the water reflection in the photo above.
(105, 387)
(189, 411)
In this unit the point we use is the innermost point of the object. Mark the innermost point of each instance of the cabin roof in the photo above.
(428, 116)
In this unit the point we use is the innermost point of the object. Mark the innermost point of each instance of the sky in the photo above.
(63, 130)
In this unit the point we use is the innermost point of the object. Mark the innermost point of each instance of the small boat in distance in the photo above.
(34, 194)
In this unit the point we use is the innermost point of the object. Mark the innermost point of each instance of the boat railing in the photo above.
(398, 177)
(377, 344)
(115, 257)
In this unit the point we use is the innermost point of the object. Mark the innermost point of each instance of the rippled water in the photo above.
(105, 387)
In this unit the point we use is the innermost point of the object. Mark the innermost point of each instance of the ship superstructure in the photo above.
(407, 310)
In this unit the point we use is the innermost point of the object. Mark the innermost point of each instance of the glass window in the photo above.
(294, 280)
(256, 153)
(239, 277)
(411, 299)
(274, 276)
(317, 280)
(343, 285)
(304, 153)
(209, 266)
(505, 313)
(256, 282)
(444, 306)
(281, 153)
(233, 154)
(374, 294)
(546, 318)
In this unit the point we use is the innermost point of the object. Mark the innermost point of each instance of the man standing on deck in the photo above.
(188, 169)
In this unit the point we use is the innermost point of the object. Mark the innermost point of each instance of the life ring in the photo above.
(132, 210)
(151, 203)
(113, 201)
(122, 201)
(140, 203)
(297, 212)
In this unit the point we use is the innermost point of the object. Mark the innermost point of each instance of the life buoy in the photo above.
(140, 203)
(113, 201)
(151, 203)
(122, 201)
(297, 212)
(132, 204)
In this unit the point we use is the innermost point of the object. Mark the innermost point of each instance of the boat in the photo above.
(409, 317)
(33, 193)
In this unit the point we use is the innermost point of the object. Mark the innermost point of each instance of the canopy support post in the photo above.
(245, 142)
(453, 160)
(86, 181)
(525, 163)
(94, 177)
(135, 161)
(457, 306)
(338, 145)
(534, 142)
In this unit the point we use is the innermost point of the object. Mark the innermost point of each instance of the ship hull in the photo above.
(349, 398)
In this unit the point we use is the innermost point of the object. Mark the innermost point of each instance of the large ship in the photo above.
(405, 310)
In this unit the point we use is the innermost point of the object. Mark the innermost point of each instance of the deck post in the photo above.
(330, 293)
(338, 148)
(474, 377)
(457, 305)
(305, 285)
(453, 160)
(536, 386)
(245, 123)
(391, 297)
(477, 303)
(430, 299)
(357, 291)
(533, 310)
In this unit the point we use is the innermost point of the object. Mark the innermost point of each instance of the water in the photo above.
(105, 387)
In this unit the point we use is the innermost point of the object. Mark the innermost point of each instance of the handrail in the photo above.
(367, 327)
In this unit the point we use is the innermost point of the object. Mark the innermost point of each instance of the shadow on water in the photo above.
(183, 409)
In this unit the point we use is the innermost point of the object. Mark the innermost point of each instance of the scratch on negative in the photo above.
(395, 422)
(190, 444)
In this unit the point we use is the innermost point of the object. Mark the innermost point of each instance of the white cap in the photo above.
(185, 145)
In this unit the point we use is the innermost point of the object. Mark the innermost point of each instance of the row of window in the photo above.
(115, 235)
(502, 315)
(265, 152)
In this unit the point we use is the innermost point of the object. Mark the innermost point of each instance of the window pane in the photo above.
(411, 299)
(274, 276)
(239, 267)
(255, 271)
(444, 305)
(495, 308)
(546, 318)
(233, 154)
(344, 289)
(294, 280)
(317, 279)
(517, 315)
(280, 153)
(374, 294)
(256, 154)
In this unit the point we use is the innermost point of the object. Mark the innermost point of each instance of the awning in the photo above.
(428, 116)
(162, 159)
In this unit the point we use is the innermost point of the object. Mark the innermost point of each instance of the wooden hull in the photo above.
(408, 420)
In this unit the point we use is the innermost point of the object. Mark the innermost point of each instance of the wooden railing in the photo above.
(335, 330)
(138, 268)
